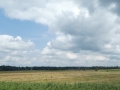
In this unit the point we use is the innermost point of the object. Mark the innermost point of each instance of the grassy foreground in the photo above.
(60, 80)
(57, 86)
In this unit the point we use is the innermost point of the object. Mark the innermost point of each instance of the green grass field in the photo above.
(57, 86)
(60, 80)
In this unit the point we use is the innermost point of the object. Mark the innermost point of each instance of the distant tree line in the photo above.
(15, 68)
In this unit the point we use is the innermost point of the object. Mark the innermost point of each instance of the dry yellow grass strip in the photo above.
(61, 76)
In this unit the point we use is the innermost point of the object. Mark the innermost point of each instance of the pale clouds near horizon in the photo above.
(87, 33)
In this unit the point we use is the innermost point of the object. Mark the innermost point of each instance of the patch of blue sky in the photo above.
(28, 30)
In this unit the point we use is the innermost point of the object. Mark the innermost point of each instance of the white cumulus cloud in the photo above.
(87, 32)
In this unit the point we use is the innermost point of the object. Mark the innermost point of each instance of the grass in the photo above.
(56, 86)
(61, 76)
(60, 80)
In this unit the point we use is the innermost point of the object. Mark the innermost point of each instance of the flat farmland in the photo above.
(70, 76)
(60, 80)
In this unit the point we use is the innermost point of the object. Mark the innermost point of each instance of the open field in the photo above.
(57, 86)
(61, 76)
(100, 78)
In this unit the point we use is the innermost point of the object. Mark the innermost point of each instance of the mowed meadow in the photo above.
(60, 80)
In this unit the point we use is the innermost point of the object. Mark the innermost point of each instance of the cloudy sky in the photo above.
(60, 32)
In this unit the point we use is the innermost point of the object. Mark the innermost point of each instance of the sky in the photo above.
(60, 32)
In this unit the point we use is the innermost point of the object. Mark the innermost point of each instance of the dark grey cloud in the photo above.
(89, 4)
(115, 57)
(107, 3)
(88, 33)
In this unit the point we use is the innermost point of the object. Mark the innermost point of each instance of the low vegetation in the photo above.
(60, 80)
(56, 86)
